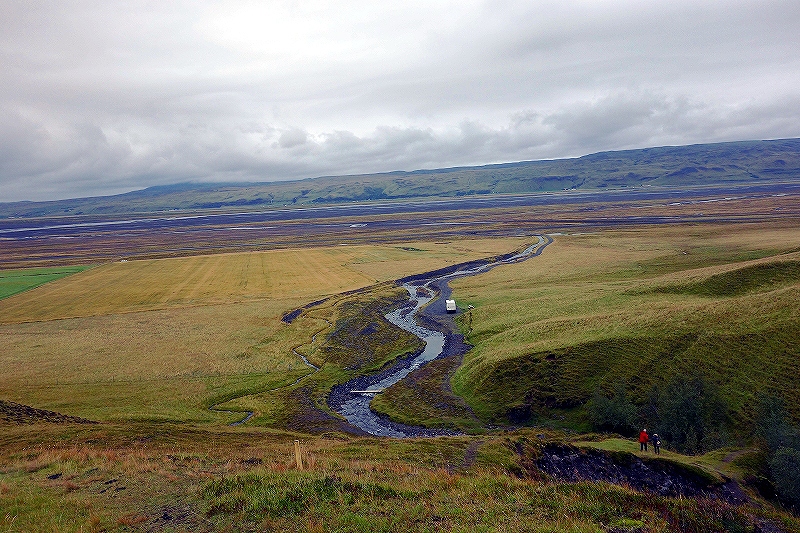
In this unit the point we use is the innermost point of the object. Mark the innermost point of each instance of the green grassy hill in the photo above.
(679, 166)
(641, 309)
(640, 306)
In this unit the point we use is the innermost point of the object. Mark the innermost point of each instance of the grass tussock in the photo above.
(436, 500)
(122, 479)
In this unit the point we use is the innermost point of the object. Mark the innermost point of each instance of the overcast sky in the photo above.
(101, 97)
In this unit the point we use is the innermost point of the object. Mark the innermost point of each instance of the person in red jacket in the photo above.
(643, 438)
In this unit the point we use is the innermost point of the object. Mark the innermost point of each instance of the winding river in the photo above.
(425, 291)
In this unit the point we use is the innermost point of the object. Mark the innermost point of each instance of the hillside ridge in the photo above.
(664, 167)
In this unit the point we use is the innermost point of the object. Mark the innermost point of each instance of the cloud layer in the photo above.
(101, 97)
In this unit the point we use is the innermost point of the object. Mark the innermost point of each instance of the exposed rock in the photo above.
(15, 413)
(655, 475)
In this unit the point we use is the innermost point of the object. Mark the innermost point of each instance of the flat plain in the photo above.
(15, 281)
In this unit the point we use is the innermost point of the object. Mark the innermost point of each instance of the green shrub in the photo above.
(782, 442)
(773, 424)
(689, 413)
(785, 470)
(617, 413)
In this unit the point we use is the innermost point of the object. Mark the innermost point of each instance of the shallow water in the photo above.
(356, 407)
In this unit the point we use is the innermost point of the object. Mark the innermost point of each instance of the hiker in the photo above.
(643, 438)
(656, 443)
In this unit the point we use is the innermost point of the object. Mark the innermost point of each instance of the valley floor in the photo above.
(110, 373)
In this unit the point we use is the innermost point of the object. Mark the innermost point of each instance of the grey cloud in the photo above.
(216, 152)
(98, 98)
(292, 138)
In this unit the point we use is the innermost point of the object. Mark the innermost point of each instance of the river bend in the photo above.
(423, 290)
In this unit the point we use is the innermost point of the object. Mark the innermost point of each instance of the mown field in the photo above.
(639, 307)
(16, 281)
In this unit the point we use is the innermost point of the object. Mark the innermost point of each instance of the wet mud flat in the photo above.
(424, 315)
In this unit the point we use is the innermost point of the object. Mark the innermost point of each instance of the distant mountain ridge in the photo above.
(669, 166)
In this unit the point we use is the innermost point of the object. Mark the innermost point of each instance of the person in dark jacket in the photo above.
(643, 438)
(656, 440)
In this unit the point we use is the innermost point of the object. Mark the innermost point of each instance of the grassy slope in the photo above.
(637, 306)
(173, 478)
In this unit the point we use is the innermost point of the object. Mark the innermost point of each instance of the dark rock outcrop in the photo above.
(15, 413)
(660, 476)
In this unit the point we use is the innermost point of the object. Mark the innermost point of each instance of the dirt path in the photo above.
(471, 453)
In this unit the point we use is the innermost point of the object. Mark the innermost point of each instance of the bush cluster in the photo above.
(781, 440)
(617, 413)
(690, 416)
(688, 413)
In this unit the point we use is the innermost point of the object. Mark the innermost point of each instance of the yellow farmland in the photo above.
(157, 336)
(296, 275)
(186, 281)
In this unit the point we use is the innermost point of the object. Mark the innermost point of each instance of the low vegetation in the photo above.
(177, 478)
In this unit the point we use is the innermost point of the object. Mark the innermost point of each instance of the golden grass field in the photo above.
(152, 338)
(296, 274)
